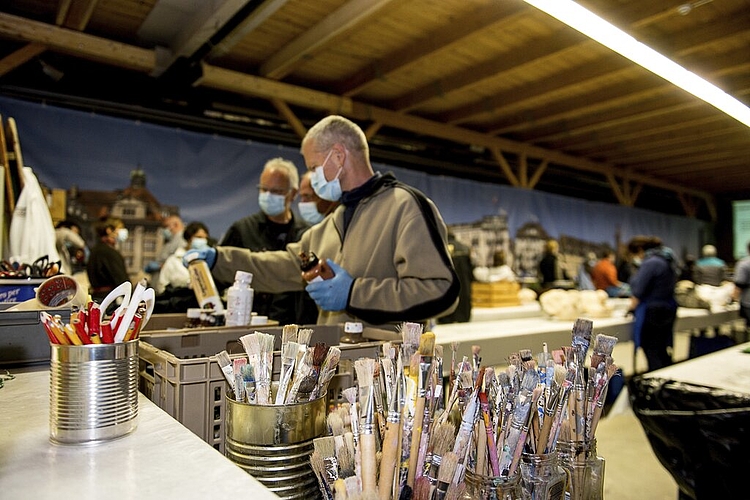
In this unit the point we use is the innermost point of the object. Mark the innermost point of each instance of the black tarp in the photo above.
(701, 435)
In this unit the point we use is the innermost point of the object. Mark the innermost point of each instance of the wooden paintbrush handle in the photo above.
(369, 461)
(416, 438)
(389, 460)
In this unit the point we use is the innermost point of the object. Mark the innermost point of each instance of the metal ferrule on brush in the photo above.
(368, 423)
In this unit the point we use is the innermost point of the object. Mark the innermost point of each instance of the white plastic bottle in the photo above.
(240, 300)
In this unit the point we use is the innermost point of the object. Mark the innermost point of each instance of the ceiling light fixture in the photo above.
(596, 28)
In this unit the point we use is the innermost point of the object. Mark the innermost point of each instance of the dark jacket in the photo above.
(259, 234)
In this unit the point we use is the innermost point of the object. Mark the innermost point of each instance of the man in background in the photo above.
(709, 269)
(273, 228)
(312, 207)
(172, 231)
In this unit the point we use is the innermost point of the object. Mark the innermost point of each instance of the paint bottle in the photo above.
(239, 300)
(314, 269)
(202, 283)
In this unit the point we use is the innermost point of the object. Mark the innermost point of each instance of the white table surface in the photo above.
(728, 369)
(161, 459)
(499, 338)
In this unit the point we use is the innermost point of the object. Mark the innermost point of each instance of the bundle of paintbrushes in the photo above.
(392, 424)
(526, 408)
(306, 371)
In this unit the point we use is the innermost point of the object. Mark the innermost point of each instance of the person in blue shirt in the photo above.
(653, 302)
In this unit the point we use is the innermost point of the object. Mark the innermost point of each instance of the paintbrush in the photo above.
(520, 416)
(489, 431)
(610, 371)
(289, 352)
(365, 369)
(441, 442)
(454, 349)
(562, 398)
(317, 464)
(304, 367)
(524, 431)
(391, 442)
(350, 394)
(445, 474)
(421, 488)
(307, 385)
(425, 351)
(264, 367)
(325, 447)
(603, 347)
(289, 334)
(225, 363)
(327, 371)
(550, 405)
(476, 360)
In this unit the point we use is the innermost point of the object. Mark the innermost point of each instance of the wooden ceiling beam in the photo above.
(502, 104)
(505, 167)
(77, 14)
(537, 53)
(199, 27)
(613, 97)
(340, 21)
(257, 17)
(541, 50)
(78, 44)
(20, 56)
(490, 15)
(241, 83)
(286, 112)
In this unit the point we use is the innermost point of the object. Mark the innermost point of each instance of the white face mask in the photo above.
(309, 211)
(271, 204)
(328, 190)
(122, 234)
(199, 243)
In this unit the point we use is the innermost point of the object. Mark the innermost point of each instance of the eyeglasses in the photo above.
(280, 192)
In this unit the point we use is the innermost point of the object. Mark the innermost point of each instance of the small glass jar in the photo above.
(479, 487)
(586, 469)
(542, 477)
(314, 269)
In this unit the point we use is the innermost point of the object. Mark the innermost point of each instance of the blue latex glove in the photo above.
(332, 294)
(207, 254)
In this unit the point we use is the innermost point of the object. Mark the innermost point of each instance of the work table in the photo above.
(161, 459)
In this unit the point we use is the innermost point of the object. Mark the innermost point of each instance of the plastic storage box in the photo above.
(22, 338)
(178, 371)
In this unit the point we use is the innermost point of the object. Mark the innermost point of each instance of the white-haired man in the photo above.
(273, 228)
(386, 242)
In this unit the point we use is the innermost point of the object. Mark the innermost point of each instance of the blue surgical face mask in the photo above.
(328, 190)
(199, 243)
(166, 233)
(309, 211)
(271, 204)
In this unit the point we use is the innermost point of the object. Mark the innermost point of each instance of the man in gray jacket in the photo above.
(386, 242)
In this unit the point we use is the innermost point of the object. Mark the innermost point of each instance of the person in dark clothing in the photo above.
(461, 255)
(106, 268)
(550, 269)
(272, 229)
(653, 302)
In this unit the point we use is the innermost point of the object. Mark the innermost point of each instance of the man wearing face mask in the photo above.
(273, 228)
(106, 268)
(173, 233)
(312, 207)
(386, 242)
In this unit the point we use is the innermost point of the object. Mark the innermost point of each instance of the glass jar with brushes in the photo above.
(542, 478)
(480, 487)
(586, 469)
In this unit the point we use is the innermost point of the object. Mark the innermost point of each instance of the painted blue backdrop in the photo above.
(214, 178)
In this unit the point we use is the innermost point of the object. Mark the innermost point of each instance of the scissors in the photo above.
(43, 268)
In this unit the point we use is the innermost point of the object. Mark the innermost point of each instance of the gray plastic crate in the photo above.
(178, 371)
(23, 341)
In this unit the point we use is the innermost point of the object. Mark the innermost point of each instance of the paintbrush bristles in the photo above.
(289, 333)
(427, 344)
